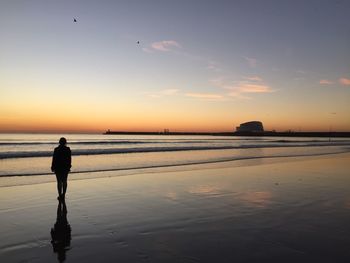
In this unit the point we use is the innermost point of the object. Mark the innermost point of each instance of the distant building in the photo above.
(251, 126)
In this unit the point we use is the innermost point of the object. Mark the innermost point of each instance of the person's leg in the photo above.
(64, 185)
(59, 185)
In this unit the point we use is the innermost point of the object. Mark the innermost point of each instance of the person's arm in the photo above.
(70, 158)
(53, 164)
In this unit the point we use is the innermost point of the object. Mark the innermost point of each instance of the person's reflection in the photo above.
(61, 232)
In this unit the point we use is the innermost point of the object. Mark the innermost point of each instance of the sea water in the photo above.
(31, 154)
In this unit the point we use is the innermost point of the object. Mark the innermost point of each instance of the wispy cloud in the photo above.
(177, 48)
(213, 66)
(325, 82)
(252, 62)
(240, 89)
(163, 46)
(344, 81)
(253, 88)
(254, 78)
(205, 96)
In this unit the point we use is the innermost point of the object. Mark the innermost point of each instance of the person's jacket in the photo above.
(61, 160)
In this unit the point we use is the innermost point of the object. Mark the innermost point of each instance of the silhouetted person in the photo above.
(61, 164)
(61, 232)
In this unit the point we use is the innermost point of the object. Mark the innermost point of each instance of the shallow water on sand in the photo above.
(294, 211)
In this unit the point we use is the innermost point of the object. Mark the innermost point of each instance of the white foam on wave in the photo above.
(26, 154)
(193, 162)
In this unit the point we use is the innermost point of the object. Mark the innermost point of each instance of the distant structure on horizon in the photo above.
(250, 126)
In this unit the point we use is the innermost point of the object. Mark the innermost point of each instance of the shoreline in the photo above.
(10, 181)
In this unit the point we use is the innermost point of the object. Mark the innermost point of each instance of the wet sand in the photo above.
(289, 210)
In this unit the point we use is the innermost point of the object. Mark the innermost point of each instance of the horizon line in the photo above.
(161, 132)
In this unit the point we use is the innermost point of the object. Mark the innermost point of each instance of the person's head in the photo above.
(62, 141)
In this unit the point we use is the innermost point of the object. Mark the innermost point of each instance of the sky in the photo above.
(177, 65)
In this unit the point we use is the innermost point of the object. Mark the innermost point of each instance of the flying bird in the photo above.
(138, 42)
(75, 20)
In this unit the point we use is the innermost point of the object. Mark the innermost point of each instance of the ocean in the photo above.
(177, 199)
(30, 154)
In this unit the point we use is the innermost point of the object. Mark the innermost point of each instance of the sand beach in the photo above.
(279, 210)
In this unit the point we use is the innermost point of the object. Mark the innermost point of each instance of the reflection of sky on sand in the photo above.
(347, 203)
(231, 212)
(258, 199)
(204, 190)
(171, 195)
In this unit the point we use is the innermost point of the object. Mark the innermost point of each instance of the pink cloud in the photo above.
(254, 78)
(249, 87)
(165, 45)
(239, 89)
(325, 82)
(254, 88)
(344, 81)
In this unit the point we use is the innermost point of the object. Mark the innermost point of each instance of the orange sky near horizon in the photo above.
(85, 120)
(53, 111)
